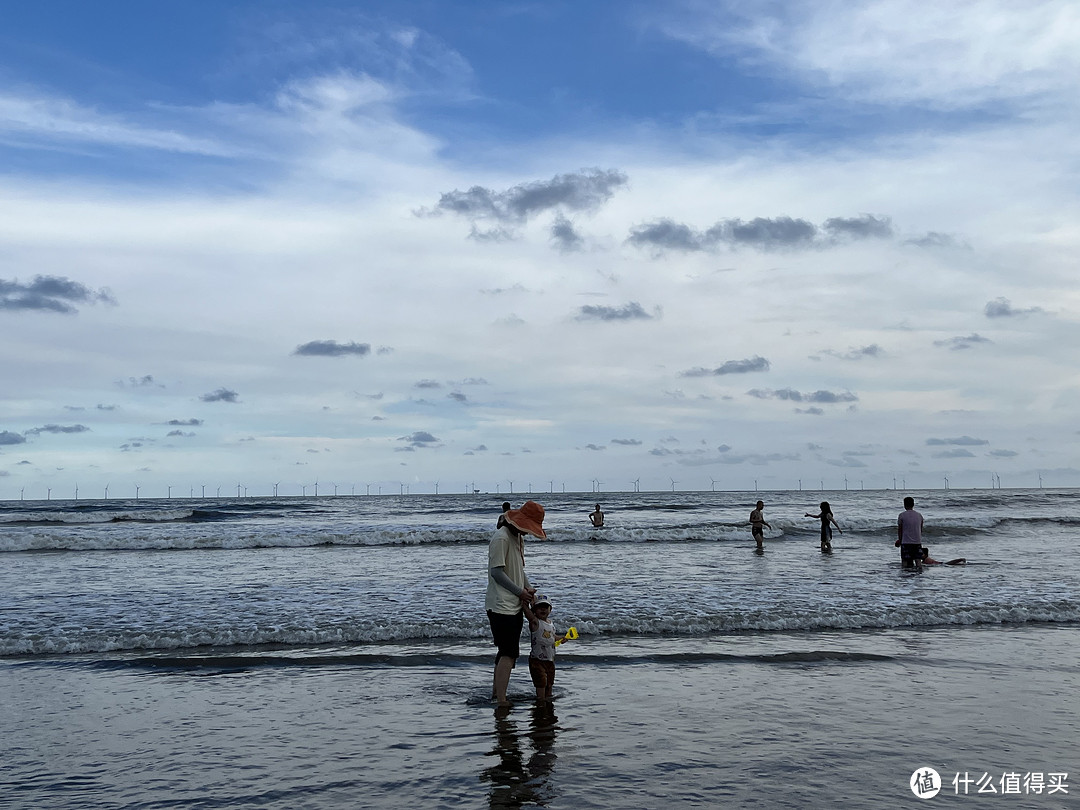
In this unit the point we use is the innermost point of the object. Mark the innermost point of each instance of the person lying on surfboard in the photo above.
(928, 560)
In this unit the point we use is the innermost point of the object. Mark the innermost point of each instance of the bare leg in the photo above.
(502, 678)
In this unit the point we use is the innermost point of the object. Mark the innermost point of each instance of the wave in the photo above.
(187, 529)
(239, 663)
(64, 642)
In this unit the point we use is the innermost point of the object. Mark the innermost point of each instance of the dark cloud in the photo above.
(8, 438)
(957, 453)
(831, 397)
(666, 234)
(585, 190)
(812, 411)
(595, 447)
(49, 294)
(331, 348)
(420, 438)
(967, 441)
(959, 343)
(730, 367)
(145, 381)
(474, 381)
(627, 442)
(1001, 308)
(427, 384)
(858, 353)
(627, 312)
(221, 395)
(457, 396)
(782, 233)
(724, 448)
(185, 422)
(760, 233)
(179, 433)
(58, 429)
(1004, 453)
(860, 227)
(565, 236)
(791, 395)
(101, 407)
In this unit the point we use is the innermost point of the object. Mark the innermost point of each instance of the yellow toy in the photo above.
(571, 634)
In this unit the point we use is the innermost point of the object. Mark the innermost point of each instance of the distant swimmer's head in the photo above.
(598, 507)
(760, 504)
(909, 502)
(506, 506)
(528, 519)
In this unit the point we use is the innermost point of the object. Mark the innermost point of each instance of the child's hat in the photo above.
(541, 600)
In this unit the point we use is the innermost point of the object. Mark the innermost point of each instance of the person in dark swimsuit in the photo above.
(826, 517)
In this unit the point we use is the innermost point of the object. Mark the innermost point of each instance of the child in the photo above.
(542, 654)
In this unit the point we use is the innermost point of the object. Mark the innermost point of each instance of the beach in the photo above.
(327, 653)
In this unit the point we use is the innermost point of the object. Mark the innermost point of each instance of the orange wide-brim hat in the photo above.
(528, 519)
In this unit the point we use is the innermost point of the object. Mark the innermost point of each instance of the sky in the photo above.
(415, 246)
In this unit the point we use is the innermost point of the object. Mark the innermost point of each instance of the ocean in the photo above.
(333, 652)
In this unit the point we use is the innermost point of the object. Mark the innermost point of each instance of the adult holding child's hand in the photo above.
(508, 589)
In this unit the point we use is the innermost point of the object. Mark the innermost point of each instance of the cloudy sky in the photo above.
(406, 244)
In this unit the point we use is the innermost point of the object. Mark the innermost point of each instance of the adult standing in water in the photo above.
(909, 526)
(758, 524)
(826, 517)
(596, 517)
(508, 589)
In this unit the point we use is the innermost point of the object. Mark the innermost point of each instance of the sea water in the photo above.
(334, 652)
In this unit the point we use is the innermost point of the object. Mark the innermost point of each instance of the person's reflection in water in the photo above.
(515, 781)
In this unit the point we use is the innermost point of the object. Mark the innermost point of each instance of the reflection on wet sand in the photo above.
(517, 781)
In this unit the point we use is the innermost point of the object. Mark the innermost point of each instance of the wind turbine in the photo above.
(170, 493)
(712, 481)
(76, 492)
(275, 488)
(673, 483)
(136, 492)
(106, 492)
(436, 487)
(637, 484)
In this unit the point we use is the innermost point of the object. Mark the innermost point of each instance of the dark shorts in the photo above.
(506, 633)
(911, 552)
(543, 673)
(757, 532)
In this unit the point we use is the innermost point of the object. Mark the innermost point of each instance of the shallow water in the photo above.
(238, 660)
